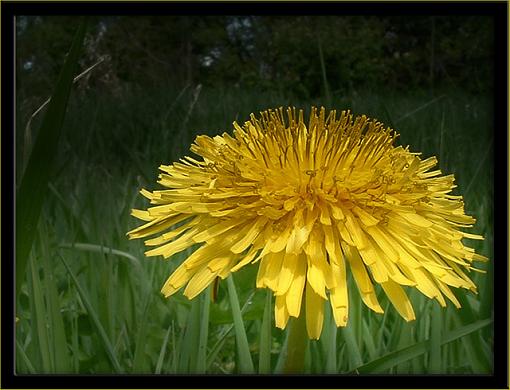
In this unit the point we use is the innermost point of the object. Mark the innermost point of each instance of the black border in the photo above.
(254, 7)
(498, 10)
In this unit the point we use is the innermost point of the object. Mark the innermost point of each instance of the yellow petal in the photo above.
(227, 268)
(445, 250)
(155, 226)
(478, 257)
(248, 258)
(273, 269)
(163, 210)
(217, 229)
(281, 315)
(167, 250)
(403, 256)
(452, 280)
(399, 299)
(341, 315)
(199, 282)
(205, 254)
(316, 277)
(195, 207)
(314, 313)
(219, 263)
(280, 242)
(334, 251)
(366, 218)
(262, 271)
(299, 234)
(325, 218)
(339, 295)
(344, 233)
(448, 293)
(337, 212)
(146, 193)
(426, 257)
(382, 267)
(357, 235)
(425, 284)
(468, 282)
(165, 237)
(290, 203)
(178, 279)
(472, 236)
(296, 239)
(141, 214)
(382, 241)
(397, 276)
(289, 265)
(399, 227)
(331, 242)
(294, 294)
(362, 279)
(379, 272)
(249, 236)
(413, 167)
(318, 270)
(416, 219)
(428, 163)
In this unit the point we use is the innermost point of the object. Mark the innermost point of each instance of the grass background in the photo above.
(90, 302)
(105, 311)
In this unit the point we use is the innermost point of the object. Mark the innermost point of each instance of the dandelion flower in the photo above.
(310, 203)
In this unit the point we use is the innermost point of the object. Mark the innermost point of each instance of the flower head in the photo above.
(308, 203)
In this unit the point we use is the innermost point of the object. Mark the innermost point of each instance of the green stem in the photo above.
(297, 343)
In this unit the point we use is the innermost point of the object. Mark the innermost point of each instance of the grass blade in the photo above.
(95, 320)
(265, 337)
(204, 329)
(162, 352)
(298, 344)
(472, 343)
(140, 360)
(397, 357)
(189, 346)
(223, 337)
(283, 355)
(331, 351)
(479, 167)
(405, 339)
(176, 350)
(39, 319)
(323, 71)
(105, 250)
(354, 352)
(29, 122)
(25, 358)
(436, 334)
(55, 321)
(369, 340)
(243, 349)
(421, 107)
(38, 169)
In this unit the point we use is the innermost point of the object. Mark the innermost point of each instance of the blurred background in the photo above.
(161, 80)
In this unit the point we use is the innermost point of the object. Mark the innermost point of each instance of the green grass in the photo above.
(38, 168)
(90, 302)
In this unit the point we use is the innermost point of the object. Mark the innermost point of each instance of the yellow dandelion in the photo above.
(307, 203)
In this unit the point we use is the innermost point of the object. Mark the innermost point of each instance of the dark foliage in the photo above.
(265, 52)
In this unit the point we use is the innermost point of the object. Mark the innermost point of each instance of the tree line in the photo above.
(306, 56)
